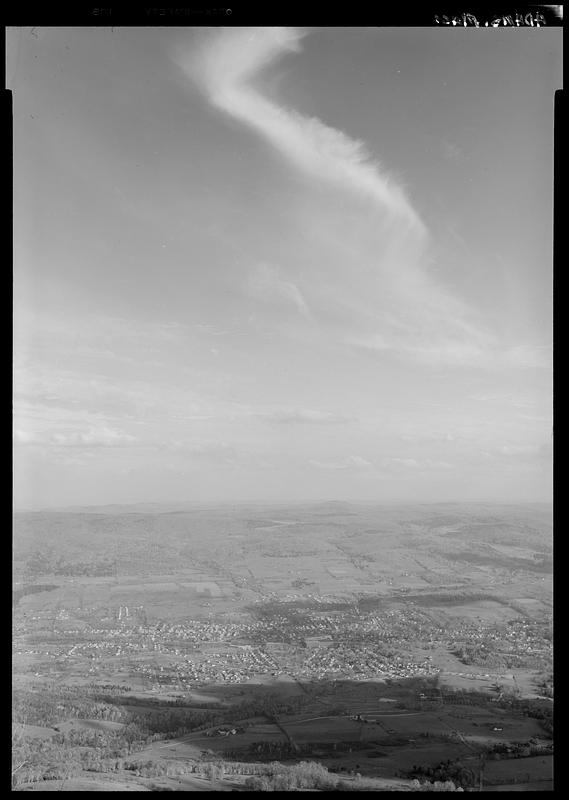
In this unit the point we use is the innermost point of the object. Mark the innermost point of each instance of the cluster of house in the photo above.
(359, 664)
(312, 645)
(224, 732)
(521, 638)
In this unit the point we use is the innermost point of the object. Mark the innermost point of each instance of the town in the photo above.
(350, 644)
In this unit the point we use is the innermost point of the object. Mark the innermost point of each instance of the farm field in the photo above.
(533, 769)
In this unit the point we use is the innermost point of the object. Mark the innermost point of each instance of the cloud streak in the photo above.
(266, 284)
(304, 416)
(102, 436)
(349, 463)
(359, 272)
(225, 68)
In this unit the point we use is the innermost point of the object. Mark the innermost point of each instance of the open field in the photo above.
(86, 784)
(90, 724)
(35, 731)
(531, 769)
(532, 786)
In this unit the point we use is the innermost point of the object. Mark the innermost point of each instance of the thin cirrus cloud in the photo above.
(349, 463)
(427, 464)
(541, 450)
(360, 269)
(91, 437)
(224, 67)
(266, 283)
(304, 416)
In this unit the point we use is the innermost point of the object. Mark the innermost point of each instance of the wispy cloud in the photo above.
(83, 438)
(362, 268)
(425, 464)
(304, 416)
(266, 284)
(430, 437)
(542, 450)
(225, 68)
(351, 462)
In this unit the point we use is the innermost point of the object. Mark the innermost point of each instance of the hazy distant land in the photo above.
(375, 641)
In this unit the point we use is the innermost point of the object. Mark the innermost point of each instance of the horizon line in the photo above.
(273, 504)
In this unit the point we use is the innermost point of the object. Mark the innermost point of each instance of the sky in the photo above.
(277, 265)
